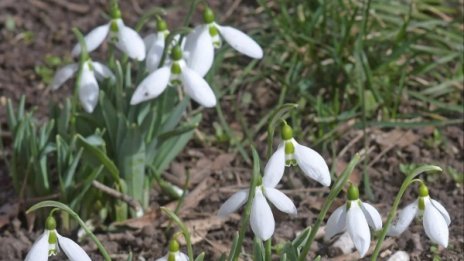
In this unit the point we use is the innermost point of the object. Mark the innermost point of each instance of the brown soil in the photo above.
(216, 172)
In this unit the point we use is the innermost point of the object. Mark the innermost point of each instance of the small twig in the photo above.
(118, 195)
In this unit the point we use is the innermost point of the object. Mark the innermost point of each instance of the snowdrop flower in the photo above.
(154, 44)
(174, 253)
(126, 39)
(261, 218)
(290, 153)
(208, 36)
(436, 219)
(175, 72)
(50, 242)
(88, 86)
(356, 217)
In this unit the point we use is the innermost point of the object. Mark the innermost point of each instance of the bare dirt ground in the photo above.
(43, 28)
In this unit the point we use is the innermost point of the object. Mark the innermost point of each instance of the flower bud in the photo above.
(176, 53)
(353, 192)
(287, 132)
(50, 223)
(173, 246)
(423, 190)
(161, 25)
(208, 15)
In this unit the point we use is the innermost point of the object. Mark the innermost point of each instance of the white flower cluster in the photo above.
(188, 61)
(289, 153)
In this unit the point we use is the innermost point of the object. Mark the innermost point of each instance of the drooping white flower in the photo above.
(356, 217)
(88, 86)
(261, 219)
(204, 38)
(436, 219)
(174, 254)
(154, 44)
(290, 153)
(175, 72)
(125, 38)
(50, 242)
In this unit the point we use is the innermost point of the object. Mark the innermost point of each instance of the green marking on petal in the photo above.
(114, 26)
(213, 31)
(289, 148)
(422, 203)
(175, 68)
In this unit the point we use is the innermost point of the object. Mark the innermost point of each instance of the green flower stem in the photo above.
(63, 207)
(84, 56)
(237, 246)
(406, 183)
(182, 227)
(275, 118)
(338, 186)
(268, 250)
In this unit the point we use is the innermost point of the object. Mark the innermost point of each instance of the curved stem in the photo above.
(63, 207)
(339, 184)
(182, 227)
(406, 183)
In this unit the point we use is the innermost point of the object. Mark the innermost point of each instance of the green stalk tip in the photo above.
(287, 132)
(353, 192)
(423, 190)
(173, 245)
(50, 223)
(176, 53)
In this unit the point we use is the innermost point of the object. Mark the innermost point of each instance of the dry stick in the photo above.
(118, 195)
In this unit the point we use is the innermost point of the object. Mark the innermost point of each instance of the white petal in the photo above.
(241, 42)
(148, 41)
(435, 225)
(72, 250)
(312, 164)
(201, 51)
(88, 89)
(261, 219)
(181, 257)
(130, 42)
(102, 71)
(280, 200)
(275, 167)
(358, 228)
(39, 250)
(442, 210)
(403, 220)
(63, 74)
(93, 39)
(155, 52)
(233, 203)
(197, 88)
(372, 216)
(336, 223)
(192, 38)
(152, 86)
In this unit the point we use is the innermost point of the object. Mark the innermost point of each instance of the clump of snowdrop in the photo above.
(174, 254)
(125, 38)
(175, 72)
(204, 38)
(356, 217)
(436, 219)
(50, 242)
(261, 218)
(291, 153)
(87, 85)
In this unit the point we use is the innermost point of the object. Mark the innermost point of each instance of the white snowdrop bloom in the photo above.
(356, 217)
(50, 242)
(154, 44)
(261, 218)
(290, 153)
(435, 218)
(175, 72)
(174, 253)
(125, 38)
(88, 86)
(208, 36)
